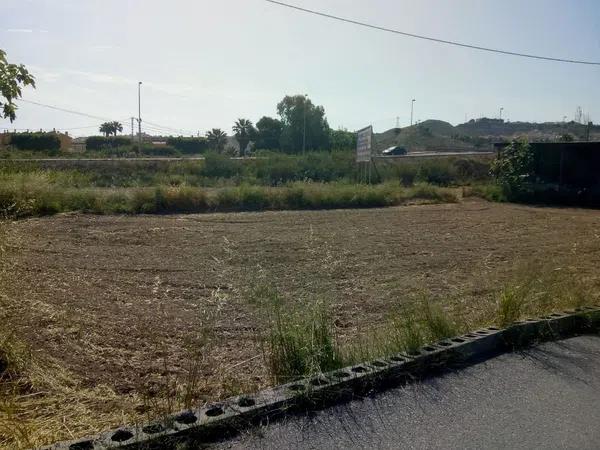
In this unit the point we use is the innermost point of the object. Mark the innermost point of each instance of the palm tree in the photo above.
(117, 127)
(217, 139)
(244, 132)
(106, 128)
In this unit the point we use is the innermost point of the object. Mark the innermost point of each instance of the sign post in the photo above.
(364, 146)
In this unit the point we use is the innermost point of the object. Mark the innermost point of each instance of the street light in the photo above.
(139, 116)
(304, 127)
(501, 109)
(412, 110)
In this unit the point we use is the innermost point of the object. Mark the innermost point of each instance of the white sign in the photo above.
(363, 144)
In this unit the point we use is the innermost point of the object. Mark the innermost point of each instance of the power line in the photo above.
(428, 38)
(70, 111)
(166, 128)
(8, 127)
(149, 125)
(80, 128)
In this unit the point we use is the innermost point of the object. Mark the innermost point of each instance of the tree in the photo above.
(108, 128)
(216, 139)
(268, 133)
(304, 125)
(342, 139)
(13, 78)
(117, 128)
(513, 168)
(244, 132)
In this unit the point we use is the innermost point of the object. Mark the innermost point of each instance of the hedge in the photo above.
(35, 141)
(188, 145)
(99, 142)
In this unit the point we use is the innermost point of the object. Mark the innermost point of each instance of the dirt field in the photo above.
(120, 302)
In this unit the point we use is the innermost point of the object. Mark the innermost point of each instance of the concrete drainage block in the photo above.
(231, 415)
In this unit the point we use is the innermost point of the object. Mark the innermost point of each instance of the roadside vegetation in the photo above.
(301, 339)
(275, 182)
(39, 199)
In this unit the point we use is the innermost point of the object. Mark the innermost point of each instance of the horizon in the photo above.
(93, 65)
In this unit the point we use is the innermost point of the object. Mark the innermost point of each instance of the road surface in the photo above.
(547, 398)
(434, 155)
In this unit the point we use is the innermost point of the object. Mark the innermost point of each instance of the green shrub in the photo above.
(220, 166)
(491, 192)
(151, 150)
(188, 145)
(471, 170)
(100, 142)
(513, 168)
(48, 142)
(438, 172)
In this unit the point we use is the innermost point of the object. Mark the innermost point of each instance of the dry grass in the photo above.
(301, 338)
(179, 304)
(301, 335)
(39, 398)
(42, 402)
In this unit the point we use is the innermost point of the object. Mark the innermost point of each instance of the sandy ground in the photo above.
(121, 301)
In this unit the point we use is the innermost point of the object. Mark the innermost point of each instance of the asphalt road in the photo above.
(543, 398)
(435, 154)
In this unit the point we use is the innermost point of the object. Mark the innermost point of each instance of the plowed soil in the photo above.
(122, 301)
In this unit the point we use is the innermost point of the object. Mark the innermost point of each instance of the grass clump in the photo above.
(534, 293)
(407, 334)
(300, 340)
(437, 322)
(491, 192)
(510, 306)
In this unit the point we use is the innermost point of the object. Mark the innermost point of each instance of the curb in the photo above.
(228, 417)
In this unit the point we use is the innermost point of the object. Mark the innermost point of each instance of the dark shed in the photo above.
(572, 164)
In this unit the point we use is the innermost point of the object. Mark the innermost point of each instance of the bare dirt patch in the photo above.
(119, 303)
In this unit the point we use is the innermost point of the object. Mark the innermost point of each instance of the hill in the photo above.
(480, 134)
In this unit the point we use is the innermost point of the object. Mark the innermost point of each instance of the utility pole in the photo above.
(588, 130)
(139, 116)
(132, 119)
(397, 122)
(304, 127)
(412, 110)
(501, 109)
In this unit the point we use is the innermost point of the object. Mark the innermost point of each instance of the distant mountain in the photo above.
(480, 134)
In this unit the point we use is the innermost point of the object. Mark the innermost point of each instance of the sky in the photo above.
(204, 64)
